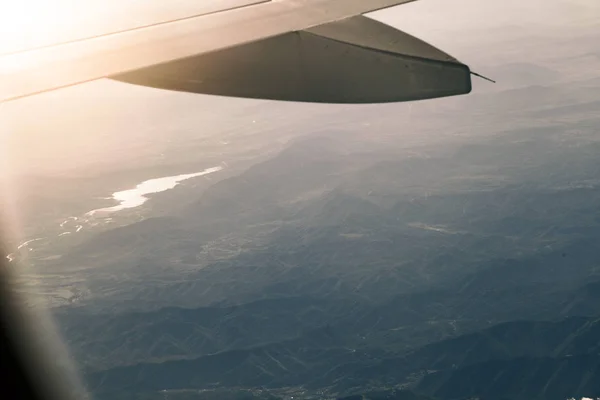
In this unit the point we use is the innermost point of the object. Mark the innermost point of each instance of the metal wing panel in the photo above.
(366, 32)
(46, 69)
(308, 67)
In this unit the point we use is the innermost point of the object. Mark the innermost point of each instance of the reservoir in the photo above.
(135, 197)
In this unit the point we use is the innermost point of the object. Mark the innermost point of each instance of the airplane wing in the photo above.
(295, 50)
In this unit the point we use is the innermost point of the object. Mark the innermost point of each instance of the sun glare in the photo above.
(27, 24)
(31, 23)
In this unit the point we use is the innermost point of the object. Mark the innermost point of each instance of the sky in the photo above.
(466, 15)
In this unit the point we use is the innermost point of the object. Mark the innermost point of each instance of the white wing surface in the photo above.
(317, 50)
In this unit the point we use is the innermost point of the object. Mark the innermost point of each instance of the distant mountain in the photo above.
(262, 192)
(106, 340)
(515, 360)
(511, 340)
(337, 269)
(296, 362)
(521, 378)
(400, 394)
(550, 358)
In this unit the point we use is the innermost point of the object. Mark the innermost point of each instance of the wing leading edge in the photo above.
(303, 50)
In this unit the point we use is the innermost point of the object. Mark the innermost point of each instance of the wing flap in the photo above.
(357, 60)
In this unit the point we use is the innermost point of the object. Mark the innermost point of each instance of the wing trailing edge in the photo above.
(355, 60)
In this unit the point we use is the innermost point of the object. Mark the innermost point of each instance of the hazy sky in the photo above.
(459, 15)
